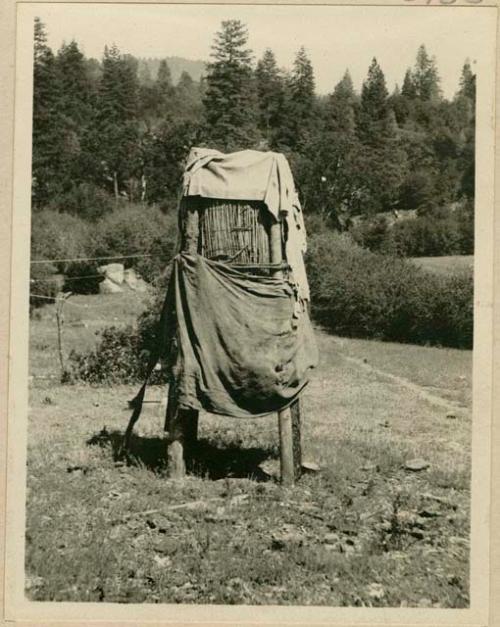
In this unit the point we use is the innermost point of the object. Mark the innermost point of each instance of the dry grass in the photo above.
(445, 265)
(363, 531)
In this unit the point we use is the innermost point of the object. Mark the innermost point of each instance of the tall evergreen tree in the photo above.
(270, 91)
(188, 99)
(374, 95)
(116, 124)
(230, 100)
(48, 125)
(300, 107)
(426, 77)
(467, 86)
(383, 157)
(409, 89)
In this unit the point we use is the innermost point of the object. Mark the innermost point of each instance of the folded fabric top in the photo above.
(253, 175)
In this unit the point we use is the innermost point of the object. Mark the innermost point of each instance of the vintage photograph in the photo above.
(251, 305)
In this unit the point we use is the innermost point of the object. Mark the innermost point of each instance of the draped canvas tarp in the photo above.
(254, 175)
(242, 350)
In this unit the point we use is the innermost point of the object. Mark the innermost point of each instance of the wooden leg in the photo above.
(182, 426)
(176, 466)
(286, 447)
(296, 439)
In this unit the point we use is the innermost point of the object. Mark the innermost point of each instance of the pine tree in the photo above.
(342, 106)
(384, 161)
(270, 91)
(409, 89)
(335, 175)
(188, 100)
(75, 83)
(467, 84)
(116, 124)
(230, 105)
(300, 107)
(374, 94)
(48, 125)
(426, 77)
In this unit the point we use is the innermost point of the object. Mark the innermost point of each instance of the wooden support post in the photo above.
(176, 466)
(284, 417)
(286, 447)
(296, 439)
(191, 230)
(182, 424)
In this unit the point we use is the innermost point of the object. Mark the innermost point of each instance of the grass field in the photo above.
(364, 531)
(445, 265)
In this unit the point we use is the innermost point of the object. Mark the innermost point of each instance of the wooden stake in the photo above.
(61, 299)
(284, 417)
(182, 424)
(296, 438)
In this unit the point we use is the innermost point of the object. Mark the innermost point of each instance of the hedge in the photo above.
(358, 293)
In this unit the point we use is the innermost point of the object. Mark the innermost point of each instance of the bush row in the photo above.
(127, 230)
(444, 233)
(358, 293)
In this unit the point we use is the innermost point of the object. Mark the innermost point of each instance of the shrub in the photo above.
(357, 293)
(62, 236)
(426, 236)
(440, 232)
(122, 353)
(86, 201)
(373, 233)
(117, 359)
(44, 285)
(138, 230)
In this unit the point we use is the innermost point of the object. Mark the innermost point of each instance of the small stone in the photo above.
(424, 603)
(376, 591)
(418, 534)
(331, 538)
(310, 466)
(270, 467)
(162, 562)
(429, 513)
(369, 466)
(278, 543)
(416, 465)
(451, 415)
(238, 499)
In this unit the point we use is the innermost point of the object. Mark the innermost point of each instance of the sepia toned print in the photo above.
(251, 308)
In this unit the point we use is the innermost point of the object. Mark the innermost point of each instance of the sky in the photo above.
(335, 37)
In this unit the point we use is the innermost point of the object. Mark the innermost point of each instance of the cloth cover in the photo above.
(254, 175)
(240, 350)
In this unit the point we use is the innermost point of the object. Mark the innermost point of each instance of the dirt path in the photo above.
(434, 399)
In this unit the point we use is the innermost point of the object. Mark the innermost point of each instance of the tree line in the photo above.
(105, 133)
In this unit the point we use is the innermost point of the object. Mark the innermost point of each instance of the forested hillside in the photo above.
(117, 130)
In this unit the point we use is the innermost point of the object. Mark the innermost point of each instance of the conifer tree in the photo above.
(230, 105)
(374, 94)
(300, 105)
(426, 77)
(409, 89)
(270, 91)
(116, 123)
(467, 86)
(48, 126)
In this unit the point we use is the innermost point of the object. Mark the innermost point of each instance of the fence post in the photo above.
(61, 299)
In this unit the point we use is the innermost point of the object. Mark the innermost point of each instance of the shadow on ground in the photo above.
(207, 459)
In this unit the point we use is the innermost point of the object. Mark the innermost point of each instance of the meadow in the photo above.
(385, 521)
(446, 264)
